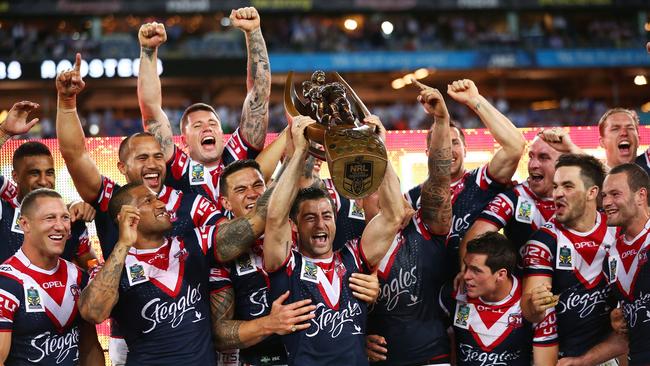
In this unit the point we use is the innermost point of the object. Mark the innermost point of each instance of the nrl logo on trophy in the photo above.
(355, 154)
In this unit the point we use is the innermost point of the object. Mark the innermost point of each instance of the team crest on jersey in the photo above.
(524, 211)
(515, 320)
(462, 316)
(356, 211)
(197, 173)
(564, 260)
(309, 272)
(33, 298)
(136, 274)
(15, 226)
(75, 291)
(245, 264)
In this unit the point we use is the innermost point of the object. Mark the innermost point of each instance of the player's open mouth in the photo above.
(163, 214)
(320, 238)
(152, 179)
(208, 141)
(55, 237)
(611, 211)
(537, 178)
(250, 206)
(624, 147)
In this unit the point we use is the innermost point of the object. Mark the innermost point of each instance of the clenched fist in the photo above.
(152, 35)
(247, 19)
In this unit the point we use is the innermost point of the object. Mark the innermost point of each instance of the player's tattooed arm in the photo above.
(224, 329)
(154, 119)
(436, 197)
(100, 296)
(255, 112)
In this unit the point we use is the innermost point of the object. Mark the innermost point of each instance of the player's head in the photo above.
(458, 148)
(541, 167)
(489, 263)
(201, 132)
(619, 135)
(240, 185)
(625, 194)
(154, 217)
(314, 216)
(33, 168)
(45, 220)
(141, 160)
(577, 184)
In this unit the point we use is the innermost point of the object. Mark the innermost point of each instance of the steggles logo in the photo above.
(332, 321)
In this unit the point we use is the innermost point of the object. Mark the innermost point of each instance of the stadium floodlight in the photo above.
(93, 129)
(398, 83)
(421, 73)
(350, 24)
(640, 80)
(387, 27)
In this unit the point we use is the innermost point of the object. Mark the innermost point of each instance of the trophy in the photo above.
(355, 154)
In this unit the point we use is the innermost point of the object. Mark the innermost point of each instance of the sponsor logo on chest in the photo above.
(157, 311)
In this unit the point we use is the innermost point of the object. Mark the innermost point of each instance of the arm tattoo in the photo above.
(148, 52)
(234, 238)
(262, 204)
(436, 196)
(156, 128)
(225, 329)
(256, 107)
(101, 294)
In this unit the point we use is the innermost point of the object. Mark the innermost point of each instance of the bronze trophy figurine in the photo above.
(355, 154)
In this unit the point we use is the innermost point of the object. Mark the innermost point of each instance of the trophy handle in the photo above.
(314, 132)
(360, 107)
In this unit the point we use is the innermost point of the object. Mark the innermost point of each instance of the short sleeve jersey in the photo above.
(336, 335)
(574, 261)
(495, 333)
(188, 211)
(250, 283)
(519, 211)
(411, 275)
(188, 175)
(39, 308)
(469, 195)
(629, 278)
(163, 308)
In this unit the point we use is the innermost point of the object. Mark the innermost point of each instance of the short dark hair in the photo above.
(28, 203)
(124, 145)
(30, 148)
(452, 124)
(637, 178)
(120, 198)
(234, 167)
(592, 170)
(193, 108)
(500, 251)
(309, 194)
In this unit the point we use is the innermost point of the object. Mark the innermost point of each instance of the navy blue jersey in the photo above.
(39, 308)
(469, 195)
(350, 218)
(495, 333)
(188, 175)
(336, 335)
(520, 213)
(629, 278)
(410, 277)
(643, 161)
(246, 276)
(574, 261)
(164, 307)
(189, 211)
(12, 235)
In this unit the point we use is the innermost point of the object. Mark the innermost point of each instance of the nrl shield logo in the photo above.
(462, 315)
(33, 299)
(136, 272)
(197, 173)
(565, 257)
(357, 175)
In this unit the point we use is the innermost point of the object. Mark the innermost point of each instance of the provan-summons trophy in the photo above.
(355, 154)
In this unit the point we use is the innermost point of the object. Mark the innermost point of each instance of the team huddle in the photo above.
(209, 248)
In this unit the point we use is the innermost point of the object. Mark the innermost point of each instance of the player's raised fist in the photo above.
(128, 220)
(152, 35)
(463, 91)
(69, 83)
(247, 19)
